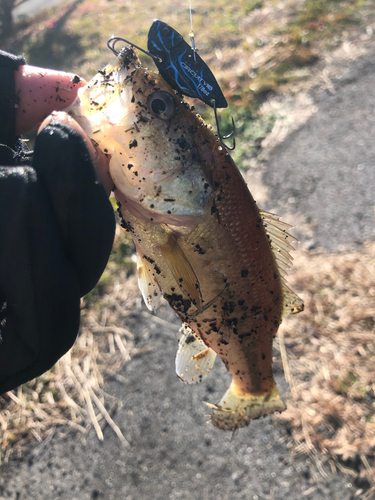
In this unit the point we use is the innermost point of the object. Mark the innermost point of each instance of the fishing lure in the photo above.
(181, 66)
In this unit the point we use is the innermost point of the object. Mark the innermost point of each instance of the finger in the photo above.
(39, 92)
(99, 159)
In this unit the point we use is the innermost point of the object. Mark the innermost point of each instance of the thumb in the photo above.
(99, 159)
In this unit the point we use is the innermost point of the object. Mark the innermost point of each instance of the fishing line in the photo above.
(191, 16)
(213, 101)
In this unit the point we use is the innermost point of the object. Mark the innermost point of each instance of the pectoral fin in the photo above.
(194, 359)
(182, 270)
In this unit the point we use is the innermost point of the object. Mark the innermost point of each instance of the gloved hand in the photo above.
(56, 233)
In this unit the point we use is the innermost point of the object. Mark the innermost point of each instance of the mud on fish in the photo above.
(202, 243)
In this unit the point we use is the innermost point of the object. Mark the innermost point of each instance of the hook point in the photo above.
(232, 134)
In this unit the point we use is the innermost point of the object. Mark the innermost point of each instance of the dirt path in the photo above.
(322, 177)
(32, 7)
(326, 170)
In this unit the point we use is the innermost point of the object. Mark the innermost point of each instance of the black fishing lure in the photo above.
(182, 67)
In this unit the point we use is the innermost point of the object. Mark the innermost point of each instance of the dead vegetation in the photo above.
(328, 353)
(329, 361)
(71, 394)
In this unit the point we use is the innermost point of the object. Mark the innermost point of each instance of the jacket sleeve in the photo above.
(39, 289)
(56, 233)
(8, 104)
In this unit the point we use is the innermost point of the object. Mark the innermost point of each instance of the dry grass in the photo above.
(71, 394)
(329, 350)
(330, 366)
(328, 354)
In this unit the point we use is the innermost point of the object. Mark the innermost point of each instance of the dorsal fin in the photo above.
(292, 304)
(281, 246)
(280, 240)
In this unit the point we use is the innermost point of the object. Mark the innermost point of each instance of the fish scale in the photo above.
(236, 201)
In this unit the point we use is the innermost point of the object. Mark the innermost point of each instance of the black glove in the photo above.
(56, 233)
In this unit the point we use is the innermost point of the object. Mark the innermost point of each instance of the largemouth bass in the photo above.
(201, 241)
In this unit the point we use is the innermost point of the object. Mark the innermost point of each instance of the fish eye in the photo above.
(162, 105)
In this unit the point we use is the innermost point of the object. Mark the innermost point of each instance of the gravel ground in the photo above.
(323, 175)
(173, 454)
(325, 170)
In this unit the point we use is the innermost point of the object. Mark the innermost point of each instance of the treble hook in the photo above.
(232, 134)
(115, 39)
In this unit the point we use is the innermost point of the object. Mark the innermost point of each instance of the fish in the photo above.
(201, 241)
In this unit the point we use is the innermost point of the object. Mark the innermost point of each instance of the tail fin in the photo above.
(236, 409)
